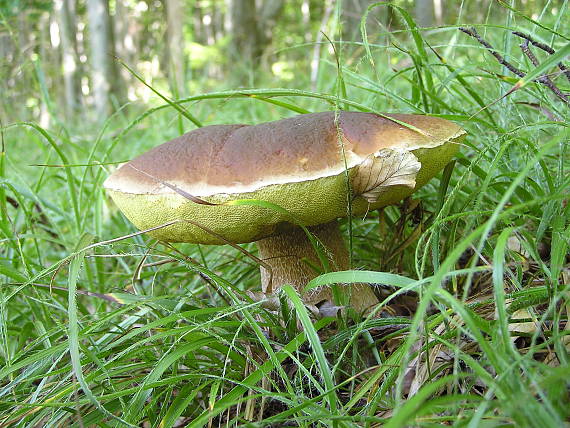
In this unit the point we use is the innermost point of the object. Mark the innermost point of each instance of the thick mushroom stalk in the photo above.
(293, 261)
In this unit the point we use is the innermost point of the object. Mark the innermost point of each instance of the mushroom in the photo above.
(303, 164)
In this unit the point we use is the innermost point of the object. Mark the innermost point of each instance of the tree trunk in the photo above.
(197, 23)
(352, 12)
(424, 13)
(228, 24)
(45, 48)
(316, 57)
(175, 38)
(125, 34)
(66, 17)
(208, 28)
(245, 46)
(101, 55)
(306, 19)
(267, 21)
(218, 17)
(438, 7)
(252, 29)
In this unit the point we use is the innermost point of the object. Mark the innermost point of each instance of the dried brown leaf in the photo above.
(382, 170)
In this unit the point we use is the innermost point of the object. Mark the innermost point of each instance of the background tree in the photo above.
(268, 15)
(245, 44)
(65, 10)
(251, 30)
(126, 29)
(424, 13)
(175, 18)
(352, 11)
(103, 75)
(63, 49)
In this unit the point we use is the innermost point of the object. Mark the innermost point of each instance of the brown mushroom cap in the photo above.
(297, 163)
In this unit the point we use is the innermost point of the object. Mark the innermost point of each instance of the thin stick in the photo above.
(545, 48)
(473, 33)
(543, 79)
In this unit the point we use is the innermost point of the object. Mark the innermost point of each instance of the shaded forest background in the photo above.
(61, 60)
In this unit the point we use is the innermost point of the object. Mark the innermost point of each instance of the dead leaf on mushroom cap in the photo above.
(383, 169)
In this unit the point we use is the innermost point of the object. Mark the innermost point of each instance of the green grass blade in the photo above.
(73, 329)
(316, 345)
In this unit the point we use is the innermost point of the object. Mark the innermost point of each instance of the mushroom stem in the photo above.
(290, 256)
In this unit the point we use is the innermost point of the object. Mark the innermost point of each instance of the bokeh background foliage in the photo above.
(100, 326)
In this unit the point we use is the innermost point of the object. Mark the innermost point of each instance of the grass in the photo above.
(98, 331)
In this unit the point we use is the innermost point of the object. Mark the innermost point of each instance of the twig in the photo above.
(473, 33)
(539, 45)
(526, 50)
(546, 49)
(542, 79)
